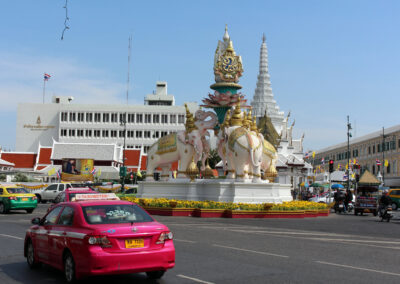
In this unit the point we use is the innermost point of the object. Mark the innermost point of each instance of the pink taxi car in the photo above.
(98, 237)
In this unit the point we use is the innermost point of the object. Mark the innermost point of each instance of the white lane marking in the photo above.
(253, 251)
(194, 279)
(13, 237)
(184, 241)
(361, 241)
(358, 268)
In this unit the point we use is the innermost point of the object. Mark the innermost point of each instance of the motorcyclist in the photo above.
(384, 202)
(339, 196)
(348, 198)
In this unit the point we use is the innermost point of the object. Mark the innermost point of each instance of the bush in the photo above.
(2, 177)
(20, 177)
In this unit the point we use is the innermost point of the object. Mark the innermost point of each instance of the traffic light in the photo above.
(122, 171)
(330, 166)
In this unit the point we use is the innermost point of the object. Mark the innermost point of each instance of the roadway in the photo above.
(338, 248)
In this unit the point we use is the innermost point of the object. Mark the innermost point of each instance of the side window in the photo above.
(51, 218)
(60, 187)
(1, 191)
(52, 187)
(66, 217)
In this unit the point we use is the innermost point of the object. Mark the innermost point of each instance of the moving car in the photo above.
(13, 197)
(98, 237)
(394, 195)
(51, 192)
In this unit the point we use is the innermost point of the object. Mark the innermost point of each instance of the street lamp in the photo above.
(348, 152)
(122, 171)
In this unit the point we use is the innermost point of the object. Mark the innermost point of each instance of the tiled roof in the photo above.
(44, 156)
(143, 164)
(21, 160)
(368, 179)
(132, 157)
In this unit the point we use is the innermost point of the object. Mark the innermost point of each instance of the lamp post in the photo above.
(383, 156)
(348, 152)
(123, 171)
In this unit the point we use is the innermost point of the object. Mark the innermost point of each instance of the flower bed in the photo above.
(171, 207)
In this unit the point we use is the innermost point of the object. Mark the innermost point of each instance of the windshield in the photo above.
(12, 190)
(115, 214)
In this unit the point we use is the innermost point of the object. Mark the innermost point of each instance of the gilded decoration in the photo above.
(229, 65)
(166, 144)
(236, 134)
(268, 149)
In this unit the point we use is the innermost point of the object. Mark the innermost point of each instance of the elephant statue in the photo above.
(270, 157)
(243, 153)
(182, 146)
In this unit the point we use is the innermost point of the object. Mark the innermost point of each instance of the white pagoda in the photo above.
(263, 100)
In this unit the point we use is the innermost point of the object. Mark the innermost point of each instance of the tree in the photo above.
(20, 177)
(213, 158)
(2, 177)
(268, 130)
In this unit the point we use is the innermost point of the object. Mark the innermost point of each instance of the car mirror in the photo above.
(35, 221)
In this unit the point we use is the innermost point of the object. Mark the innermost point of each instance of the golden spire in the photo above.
(226, 120)
(192, 170)
(208, 172)
(189, 125)
(236, 119)
(253, 126)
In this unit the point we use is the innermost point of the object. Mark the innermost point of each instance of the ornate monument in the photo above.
(248, 159)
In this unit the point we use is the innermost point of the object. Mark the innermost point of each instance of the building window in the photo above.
(373, 169)
(72, 116)
(71, 133)
(369, 150)
(147, 134)
(181, 118)
(146, 148)
(164, 133)
(130, 134)
(139, 118)
(89, 117)
(113, 133)
(105, 133)
(373, 149)
(147, 118)
(172, 118)
(164, 118)
(64, 116)
(63, 132)
(88, 133)
(96, 133)
(156, 118)
(97, 117)
(392, 145)
(106, 117)
(114, 117)
(131, 118)
(138, 134)
(121, 133)
(79, 133)
(388, 168)
(81, 116)
(156, 134)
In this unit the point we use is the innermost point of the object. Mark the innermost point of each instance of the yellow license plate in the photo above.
(24, 199)
(134, 243)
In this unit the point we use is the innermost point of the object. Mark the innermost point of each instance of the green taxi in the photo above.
(16, 198)
(394, 195)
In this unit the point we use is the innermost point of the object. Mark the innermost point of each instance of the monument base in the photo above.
(223, 190)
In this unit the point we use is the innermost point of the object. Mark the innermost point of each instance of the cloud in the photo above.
(21, 80)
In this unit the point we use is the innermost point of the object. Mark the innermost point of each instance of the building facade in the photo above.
(370, 152)
(66, 122)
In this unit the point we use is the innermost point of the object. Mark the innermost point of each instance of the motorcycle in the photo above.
(339, 206)
(386, 214)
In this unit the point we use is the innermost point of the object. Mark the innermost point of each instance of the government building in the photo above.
(370, 152)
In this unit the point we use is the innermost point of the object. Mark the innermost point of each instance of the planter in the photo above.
(167, 211)
(209, 213)
(285, 214)
(245, 214)
(311, 213)
(323, 212)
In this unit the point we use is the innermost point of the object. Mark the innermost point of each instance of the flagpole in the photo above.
(44, 88)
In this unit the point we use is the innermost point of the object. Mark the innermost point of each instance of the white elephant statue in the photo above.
(270, 157)
(243, 153)
(182, 146)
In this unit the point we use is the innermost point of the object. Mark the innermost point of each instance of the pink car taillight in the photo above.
(164, 236)
(103, 241)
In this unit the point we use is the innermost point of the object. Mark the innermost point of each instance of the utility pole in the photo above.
(383, 156)
(123, 171)
(348, 152)
(129, 68)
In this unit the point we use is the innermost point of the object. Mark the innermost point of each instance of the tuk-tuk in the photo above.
(367, 194)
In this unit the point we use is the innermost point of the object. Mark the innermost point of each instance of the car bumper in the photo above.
(102, 263)
(14, 204)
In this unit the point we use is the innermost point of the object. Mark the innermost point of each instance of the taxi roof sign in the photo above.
(97, 196)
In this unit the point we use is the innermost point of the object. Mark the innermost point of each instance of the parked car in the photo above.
(99, 237)
(324, 197)
(13, 197)
(394, 195)
(51, 192)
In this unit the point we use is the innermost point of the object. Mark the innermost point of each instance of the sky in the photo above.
(327, 59)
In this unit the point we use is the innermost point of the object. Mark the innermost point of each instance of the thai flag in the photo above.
(93, 171)
(323, 161)
(307, 155)
(59, 173)
(378, 163)
(46, 77)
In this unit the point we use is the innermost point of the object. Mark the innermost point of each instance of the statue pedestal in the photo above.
(223, 190)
